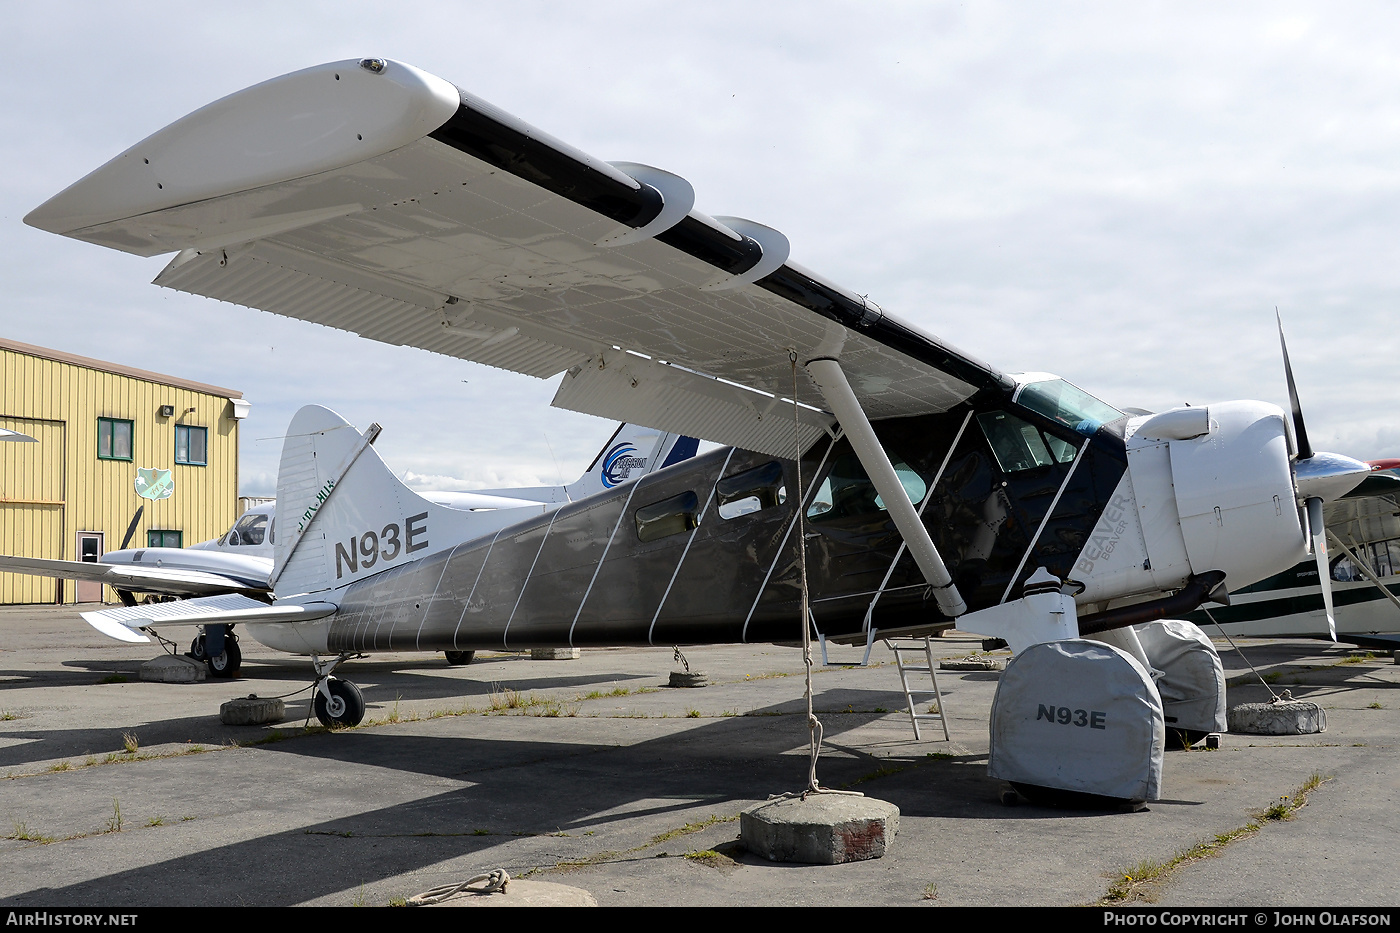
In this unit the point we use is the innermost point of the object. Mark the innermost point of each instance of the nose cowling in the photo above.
(1232, 486)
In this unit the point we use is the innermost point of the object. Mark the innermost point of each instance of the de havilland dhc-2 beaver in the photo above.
(934, 489)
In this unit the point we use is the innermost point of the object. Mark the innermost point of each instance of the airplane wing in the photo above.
(1370, 512)
(165, 581)
(378, 199)
(125, 623)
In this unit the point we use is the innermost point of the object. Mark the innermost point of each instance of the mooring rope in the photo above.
(814, 726)
(496, 881)
(1222, 631)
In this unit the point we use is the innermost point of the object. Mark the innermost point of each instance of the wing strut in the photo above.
(831, 380)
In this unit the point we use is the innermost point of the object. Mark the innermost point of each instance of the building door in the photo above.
(31, 506)
(89, 552)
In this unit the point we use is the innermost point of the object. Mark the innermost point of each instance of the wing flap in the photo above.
(642, 391)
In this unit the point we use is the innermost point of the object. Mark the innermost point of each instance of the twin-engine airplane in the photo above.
(376, 198)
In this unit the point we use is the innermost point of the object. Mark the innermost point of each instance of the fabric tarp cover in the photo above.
(1192, 685)
(1080, 716)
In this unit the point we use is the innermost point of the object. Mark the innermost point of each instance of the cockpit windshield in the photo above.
(250, 530)
(1068, 404)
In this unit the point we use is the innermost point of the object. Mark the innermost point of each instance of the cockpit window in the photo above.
(1068, 404)
(249, 530)
(1018, 445)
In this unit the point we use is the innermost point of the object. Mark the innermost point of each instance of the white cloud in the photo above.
(1118, 193)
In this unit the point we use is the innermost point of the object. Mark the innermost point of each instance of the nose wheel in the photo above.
(339, 703)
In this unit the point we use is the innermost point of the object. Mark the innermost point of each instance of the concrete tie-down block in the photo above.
(823, 829)
(174, 669)
(1287, 717)
(252, 711)
(554, 654)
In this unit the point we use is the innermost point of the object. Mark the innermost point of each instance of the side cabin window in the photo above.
(668, 517)
(1019, 445)
(750, 491)
(847, 491)
(1382, 556)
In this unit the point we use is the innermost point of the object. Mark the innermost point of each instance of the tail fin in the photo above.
(342, 515)
(632, 452)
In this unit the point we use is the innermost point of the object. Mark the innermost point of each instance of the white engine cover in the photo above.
(1223, 500)
(1234, 494)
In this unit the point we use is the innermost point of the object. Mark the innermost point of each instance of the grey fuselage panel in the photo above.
(713, 558)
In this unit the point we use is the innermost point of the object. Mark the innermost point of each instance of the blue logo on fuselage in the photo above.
(619, 463)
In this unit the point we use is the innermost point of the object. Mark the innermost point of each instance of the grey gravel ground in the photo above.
(603, 778)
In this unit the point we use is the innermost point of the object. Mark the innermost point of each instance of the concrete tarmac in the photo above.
(593, 773)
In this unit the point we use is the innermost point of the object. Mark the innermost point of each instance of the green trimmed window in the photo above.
(191, 444)
(114, 438)
(157, 538)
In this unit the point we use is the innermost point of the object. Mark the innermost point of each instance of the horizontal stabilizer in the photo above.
(212, 610)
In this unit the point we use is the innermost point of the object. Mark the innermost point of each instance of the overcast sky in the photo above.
(1118, 193)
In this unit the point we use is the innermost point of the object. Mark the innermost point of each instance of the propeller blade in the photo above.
(1324, 572)
(1300, 432)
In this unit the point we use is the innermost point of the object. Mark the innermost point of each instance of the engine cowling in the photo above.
(1206, 489)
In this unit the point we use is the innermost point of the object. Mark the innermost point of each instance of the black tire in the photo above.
(230, 663)
(197, 648)
(347, 707)
(458, 658)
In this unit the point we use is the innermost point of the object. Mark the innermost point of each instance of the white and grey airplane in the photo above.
(879, 479)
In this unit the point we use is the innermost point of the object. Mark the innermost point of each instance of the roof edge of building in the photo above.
(29, 349)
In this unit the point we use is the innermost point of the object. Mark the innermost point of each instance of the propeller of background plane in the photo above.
(1319, 477)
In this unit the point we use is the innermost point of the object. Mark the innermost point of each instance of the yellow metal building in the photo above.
(73, 494)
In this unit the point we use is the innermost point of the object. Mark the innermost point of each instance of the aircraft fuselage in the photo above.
(706, 551)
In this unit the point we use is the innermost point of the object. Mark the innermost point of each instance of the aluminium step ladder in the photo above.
(912, 648)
